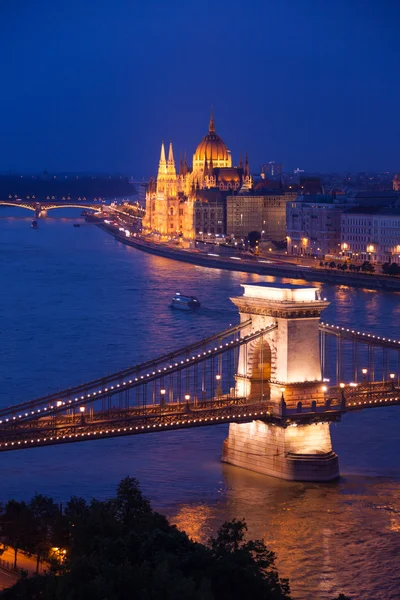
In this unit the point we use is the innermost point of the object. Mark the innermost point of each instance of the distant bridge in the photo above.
(38, 207)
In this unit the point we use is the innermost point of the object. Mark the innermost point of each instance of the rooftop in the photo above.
(374, 210)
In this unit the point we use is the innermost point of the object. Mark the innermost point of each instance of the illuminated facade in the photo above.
(371, 233)
(172, 197)
(313, 225)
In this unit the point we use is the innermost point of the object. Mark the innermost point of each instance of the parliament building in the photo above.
(191, 201)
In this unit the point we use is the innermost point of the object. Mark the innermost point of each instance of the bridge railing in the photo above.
(198, 374)
(349, 355)
(117, 379)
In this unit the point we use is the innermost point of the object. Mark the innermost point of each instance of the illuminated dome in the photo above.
(212, 147)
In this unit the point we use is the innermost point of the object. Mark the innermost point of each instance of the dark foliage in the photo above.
(121, 549)
(254, 237)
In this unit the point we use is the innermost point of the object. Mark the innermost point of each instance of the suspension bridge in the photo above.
(279, 378)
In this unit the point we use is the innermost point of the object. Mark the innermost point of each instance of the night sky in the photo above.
(95, 85)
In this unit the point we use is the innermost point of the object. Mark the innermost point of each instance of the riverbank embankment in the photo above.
(256, 265)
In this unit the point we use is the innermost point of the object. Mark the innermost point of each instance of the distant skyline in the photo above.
(96, 86)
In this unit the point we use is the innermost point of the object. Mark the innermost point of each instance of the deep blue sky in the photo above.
(97, 84)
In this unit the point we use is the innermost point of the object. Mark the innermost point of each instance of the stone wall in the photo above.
(302, 453)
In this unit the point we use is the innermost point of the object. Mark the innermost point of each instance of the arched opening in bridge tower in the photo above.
(260, 370)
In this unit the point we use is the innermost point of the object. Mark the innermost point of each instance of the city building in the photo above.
(179, 204)
(313, 225)
(271, 170)
(371, 233)
(142, 191)
(210, 213)
(316, 225)
(396, 182)
(262, 209)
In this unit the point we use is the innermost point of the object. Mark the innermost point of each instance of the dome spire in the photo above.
(211, 127)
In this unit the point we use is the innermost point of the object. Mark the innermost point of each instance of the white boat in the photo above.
(184, 302)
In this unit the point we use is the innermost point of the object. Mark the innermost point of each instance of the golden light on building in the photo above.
(171, 197)
(305, 241)
(370, 248)
(345, 246)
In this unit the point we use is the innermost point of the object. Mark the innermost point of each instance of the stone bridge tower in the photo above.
(282, 368)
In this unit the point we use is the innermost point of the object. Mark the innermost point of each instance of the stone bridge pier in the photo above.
(282, 368)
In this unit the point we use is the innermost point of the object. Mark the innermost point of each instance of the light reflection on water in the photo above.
(75, 304)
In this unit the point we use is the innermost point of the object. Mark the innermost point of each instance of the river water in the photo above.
(75, 304)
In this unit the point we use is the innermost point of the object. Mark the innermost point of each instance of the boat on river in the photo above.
(34, 224)
(184, 302)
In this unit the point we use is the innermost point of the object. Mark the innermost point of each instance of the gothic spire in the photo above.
(246, 166)
(185, 167)
(170, 154)
(162, 155)
(211, 127)
(241, 161)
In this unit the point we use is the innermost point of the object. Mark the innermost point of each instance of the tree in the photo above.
(367, 267)
(15, 522)
(391, 269)
(244, 567)
(121, 549)
(254, 237)
(45, 517)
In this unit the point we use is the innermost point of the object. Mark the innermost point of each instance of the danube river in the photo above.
(75, 304)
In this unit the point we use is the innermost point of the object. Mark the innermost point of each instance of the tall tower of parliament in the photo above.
(170, 199)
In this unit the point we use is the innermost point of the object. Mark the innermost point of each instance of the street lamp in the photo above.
(218, 390)
(364, 372)
(324, 388)
(187, 398)
(342, 398)
(82, 411)
(392, 376)
(162, 392)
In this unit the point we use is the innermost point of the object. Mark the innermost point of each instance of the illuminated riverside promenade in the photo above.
(251, 264)
(86, 309)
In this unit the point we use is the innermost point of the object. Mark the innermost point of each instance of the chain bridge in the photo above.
(279, 378)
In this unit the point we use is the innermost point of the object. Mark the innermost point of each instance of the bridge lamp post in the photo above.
(282, 403)
(364, 372)
(162, 400)
(392, 376)
(218, 390)
(82, 411)
(187, 398)
(342, 396)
